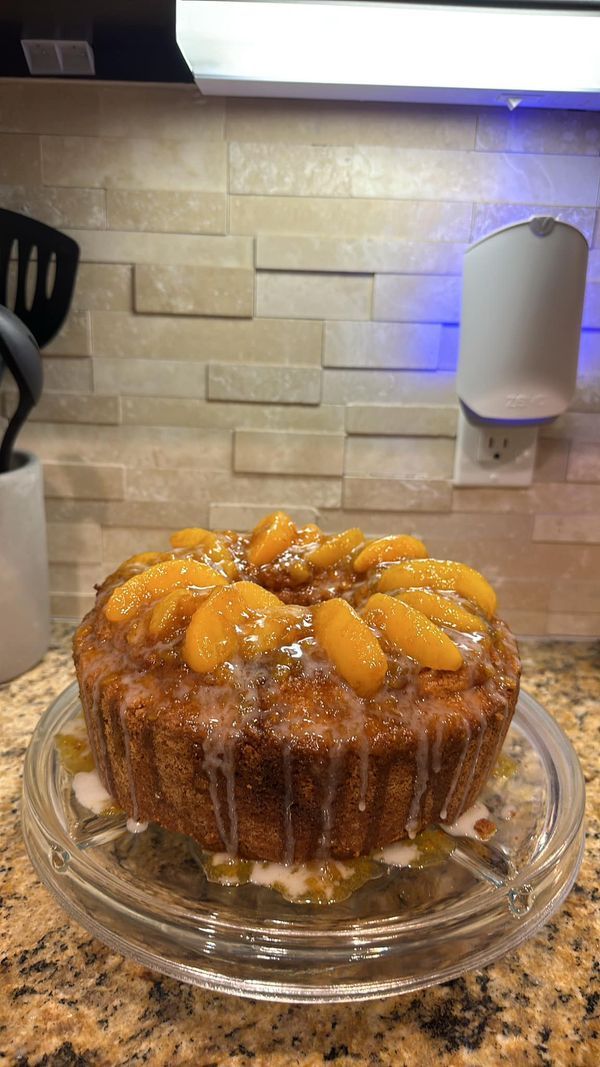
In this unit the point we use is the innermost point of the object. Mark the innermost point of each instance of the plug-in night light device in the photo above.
(523, 290)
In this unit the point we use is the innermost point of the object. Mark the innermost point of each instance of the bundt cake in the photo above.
(286, 695)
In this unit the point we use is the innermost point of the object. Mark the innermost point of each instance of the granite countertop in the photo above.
(68, 1001)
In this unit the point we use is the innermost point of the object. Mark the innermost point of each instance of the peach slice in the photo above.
(211, 636)
(386, 549)
(254, 597)
(441, 574)
(442, 610)
(270, 538)
(191, 536)
(154, 582)
(171, 611)
(308, 534)
(218, 627)
(213, 545)
(351, 645)
(147, 559)
(333, 549)
(412, 632)
(270, 630)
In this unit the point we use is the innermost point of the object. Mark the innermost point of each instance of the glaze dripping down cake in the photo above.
(285, 695)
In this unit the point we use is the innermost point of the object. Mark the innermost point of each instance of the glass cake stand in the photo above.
(146, 895)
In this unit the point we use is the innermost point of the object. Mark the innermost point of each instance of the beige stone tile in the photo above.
(69, 375)
(327, 418)
(490, 217)
(387, 387)
(171, 111)
(407, 172)
(74, 337)
(358, 255)
(516, 558)
(313, 296)
(543, 498)
(393, 494)
(266, 384)
(198, 486)
(399, 457)
(84, 481)
(417, 298)
(593, 271)
(288, 453)
(245, 517)
(119, 543)
(449, 344)
(278, 341)
(123, 246)
(329, 122)
(583, 426)
(28, 106)
(69, 541)
(132, 163)
(162, 411)
(57, 207)
(526, 623)
(103, 287)
(382, 345)
(170, 212)
(414, 420)
(149, 378)
(176, 290)
(75, 577)
(584, 462)
(20, 160)
(450, 528)
(141, 515)
(536, 130)
(373, 524)
(575, 596)
(576, 529)
(70, 605)
(587, 392)
(551, 460)
(144, 446)
(68, 407)
(523, 595)
(561, 623)
(288, 169)
(420, 220)
(591, 306)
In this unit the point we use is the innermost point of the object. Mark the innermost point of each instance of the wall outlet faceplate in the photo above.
(494, 455)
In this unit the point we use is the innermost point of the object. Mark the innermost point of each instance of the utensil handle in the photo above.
(10, 434)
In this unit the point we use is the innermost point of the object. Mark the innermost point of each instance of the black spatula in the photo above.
(21, 355)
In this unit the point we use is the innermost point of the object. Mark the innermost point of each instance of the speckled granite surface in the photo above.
(67, 1001)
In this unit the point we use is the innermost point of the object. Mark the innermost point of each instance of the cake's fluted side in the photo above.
(290, 800)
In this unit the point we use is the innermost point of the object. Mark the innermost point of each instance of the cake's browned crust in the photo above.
(307, 770)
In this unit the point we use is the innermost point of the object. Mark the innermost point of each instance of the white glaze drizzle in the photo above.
(457, 771)
(331, 784)
(464, 826)
(123, 709)
(397, 855)
(135, 827)
(90, 793)
(421, 773)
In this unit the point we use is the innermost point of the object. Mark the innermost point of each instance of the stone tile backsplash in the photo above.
(267, 315)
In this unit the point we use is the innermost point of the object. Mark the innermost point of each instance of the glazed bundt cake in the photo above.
(286, 695)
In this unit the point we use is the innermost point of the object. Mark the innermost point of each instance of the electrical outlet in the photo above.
(500, 455)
